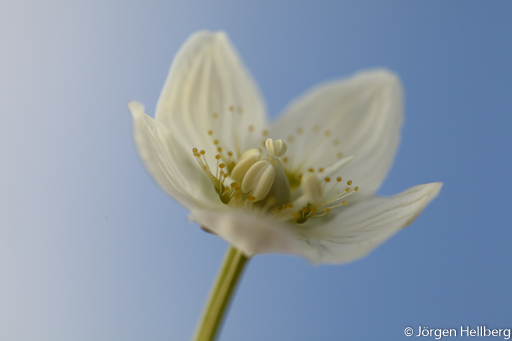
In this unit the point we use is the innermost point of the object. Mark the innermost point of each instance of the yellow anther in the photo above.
(222, 165)
(339, 179)
(347, 189)
(230, 154)
(216, 142)
(218, 156)
(219, 149)
(349, 182)
(311, 170)
(285, 159)
(233, 185)
(320, 170)
(327, 179)
(251, 128)
(194, 150)
(202, 152)
(304, 209)
(327, 210)
(264, 132)
(215, 115)
(231, 108)
(356, 188)
(344, 202)
(225, 175)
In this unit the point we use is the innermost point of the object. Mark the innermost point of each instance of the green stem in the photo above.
(220, 294)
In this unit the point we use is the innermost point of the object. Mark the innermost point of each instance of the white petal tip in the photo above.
(135, 107)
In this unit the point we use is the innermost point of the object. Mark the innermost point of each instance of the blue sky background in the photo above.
(92, 249)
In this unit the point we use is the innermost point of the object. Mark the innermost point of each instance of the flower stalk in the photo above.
(223, 289)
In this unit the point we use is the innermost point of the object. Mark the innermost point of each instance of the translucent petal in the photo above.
(349, 236)
(206, 78)
(252, 233)
(175, 171)
(361, 115)
(360, 228)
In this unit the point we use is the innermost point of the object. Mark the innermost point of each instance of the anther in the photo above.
(259, 179)
(349, 182)
(249, 158)
(311, 187)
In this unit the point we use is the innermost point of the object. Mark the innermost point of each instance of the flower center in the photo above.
(256, 180)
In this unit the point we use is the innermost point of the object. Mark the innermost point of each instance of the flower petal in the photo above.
(361, 115)
(206, 78)
(168, 163)
(252, 233)
(360, 228)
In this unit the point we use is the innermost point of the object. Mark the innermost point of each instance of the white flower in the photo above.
(211, 149)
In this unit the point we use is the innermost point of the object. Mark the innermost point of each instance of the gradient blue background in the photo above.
(92, 249)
